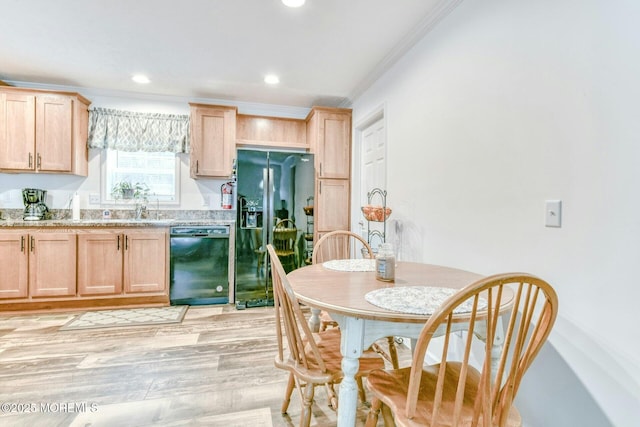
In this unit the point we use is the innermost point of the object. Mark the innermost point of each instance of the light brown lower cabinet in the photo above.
(38, 264)
(332, 195)
(14, 255)
(52, 264)
(100, 259)
(73, 268)
(145, 262)
(114, 261)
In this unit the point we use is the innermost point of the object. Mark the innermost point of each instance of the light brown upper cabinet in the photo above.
(43, 131)
(271, 132)
(213, 140)
(329, 133)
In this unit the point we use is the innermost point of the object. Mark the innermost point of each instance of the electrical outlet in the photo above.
(205, 200)
(94, 199)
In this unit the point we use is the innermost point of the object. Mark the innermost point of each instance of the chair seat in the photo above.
(284, 252)
(391, 387)
(328, 342)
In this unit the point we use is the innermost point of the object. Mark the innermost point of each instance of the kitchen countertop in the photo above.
(19, 223)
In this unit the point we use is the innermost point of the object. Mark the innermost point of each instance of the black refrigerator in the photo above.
(272, 187)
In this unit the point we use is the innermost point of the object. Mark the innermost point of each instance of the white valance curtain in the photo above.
(131, 131)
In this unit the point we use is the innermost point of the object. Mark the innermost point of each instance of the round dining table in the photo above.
(341, 289)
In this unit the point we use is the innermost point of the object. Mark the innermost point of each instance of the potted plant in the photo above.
(126, 190)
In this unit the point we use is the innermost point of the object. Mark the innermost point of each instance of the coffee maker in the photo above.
(34, 207)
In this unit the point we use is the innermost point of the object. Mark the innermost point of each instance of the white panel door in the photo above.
(374, 170)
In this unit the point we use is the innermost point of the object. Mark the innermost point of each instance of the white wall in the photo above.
(201, 194)
(507, 104)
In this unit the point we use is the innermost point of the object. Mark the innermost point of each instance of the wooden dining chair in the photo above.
(344, 244)
(457, 392)
(312, 359)
(340, 244)
(284, 240)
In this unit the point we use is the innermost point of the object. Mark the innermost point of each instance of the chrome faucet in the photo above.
(140, 209)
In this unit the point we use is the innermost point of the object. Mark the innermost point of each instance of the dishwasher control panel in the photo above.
(204, 231)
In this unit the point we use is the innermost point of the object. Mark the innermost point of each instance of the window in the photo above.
(159, 171)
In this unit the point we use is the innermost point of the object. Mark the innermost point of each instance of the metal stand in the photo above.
(373, 234)
(308, 235)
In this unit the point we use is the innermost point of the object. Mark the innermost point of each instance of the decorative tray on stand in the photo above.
(378, 214)
(375, 213)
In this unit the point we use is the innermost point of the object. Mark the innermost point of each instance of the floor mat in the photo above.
(127, 317)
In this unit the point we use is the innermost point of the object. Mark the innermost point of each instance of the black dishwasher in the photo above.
(199, 265)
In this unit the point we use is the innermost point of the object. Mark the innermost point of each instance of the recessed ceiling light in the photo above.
(271, 79)
(293, 3)
(141, 78)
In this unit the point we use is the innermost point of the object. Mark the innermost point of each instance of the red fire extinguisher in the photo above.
(227, 195)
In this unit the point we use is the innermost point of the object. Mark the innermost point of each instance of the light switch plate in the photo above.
(553, 213)
(94, 199)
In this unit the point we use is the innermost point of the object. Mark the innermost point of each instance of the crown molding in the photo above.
(250, 108)
(426, 24)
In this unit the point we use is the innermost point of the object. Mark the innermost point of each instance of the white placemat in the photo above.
(417, 299)
(350, 265)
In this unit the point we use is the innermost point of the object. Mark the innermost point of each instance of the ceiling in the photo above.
(325, 53)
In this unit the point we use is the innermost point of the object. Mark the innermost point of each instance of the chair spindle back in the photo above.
(528, 305)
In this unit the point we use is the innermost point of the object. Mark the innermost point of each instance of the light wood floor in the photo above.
(213, 369)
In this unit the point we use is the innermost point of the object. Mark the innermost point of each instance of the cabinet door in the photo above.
(17, 131)
(213, 138)
(334, 145)
(53, 133)
(14, 256)
(80, 161)
(332, 205)
(145, 262)
(52, 264)
(100, 257)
